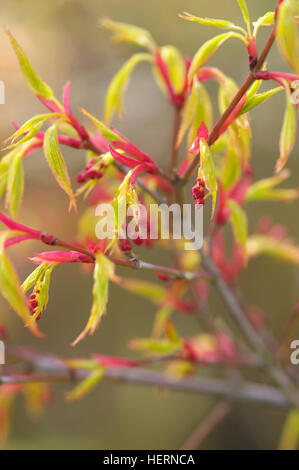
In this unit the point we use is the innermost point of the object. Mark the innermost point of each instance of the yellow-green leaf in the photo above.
(239, 222)
(223, 24)
(207, 50)
(256, 100)
(105, 131)
(86, 385)
(57, 164)
(289, 439)
(124, 32)
(286, 32)
(118, 85)
(231, 168)
(288, 133)
(266, 20)
(264, 190)
(35, 83)
(146, 289)
(282, 250)
(176, 67)
(152, 346)
(245, 13)
(207, 171)
(103, 271)
(11, 290)
(32, 124)
(15, 185)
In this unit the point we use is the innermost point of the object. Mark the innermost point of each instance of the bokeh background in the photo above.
(63, 42)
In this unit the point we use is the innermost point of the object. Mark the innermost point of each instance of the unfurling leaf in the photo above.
(287, 35)
(267, 245)
(207, 50)
(57, 164)
(124, 32)
(12, 292)
(104, 130)
(176, 69)
(245, 13)
(32, 279)
(223, 24)
(256, 100)
(266, 20)
(197, 109)
(35, 83)
(40, 293)
(86, 385)
(118, 85)
(288, 133)
(207, 171)
(32, 124)
(15, 185)
(264, 190)
(149, 290)
(289, 439)
(103, 271)
(239, 222)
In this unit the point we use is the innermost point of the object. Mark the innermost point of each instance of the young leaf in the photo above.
(245, 13)
(231, 168)
(149, 290)
(15, 185)
(288, 133)
(31, 280)
(154, 347)
(12, 292)
(266, 245)
(267, 20)
(35, 83)
(176, 68)
(103, 271)
(197, 109)
(223, 24)
(289, 439)
(118, 85)
(32, 123)
(207, 171)
(86, 385)
(287, 36)
(124, 32)
(239, 222)
(57, 164)
(207, 50)
(264, 190)
(256, 100)
(41, 290)
(105, 131)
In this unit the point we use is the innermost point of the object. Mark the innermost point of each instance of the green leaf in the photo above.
(289, 439)
(153, 347)
(31, 280)
(124, 32)
(245, 13)
(149, 290)
(267, 20)
(41, 289)
(4, 169)
(105, 131)
(288, 133)
(263, 190)
(231, 168)
(197, 109)
(11, 290)
(57, 164)
(31, 124)
(86, 385)
(118, 86)
(256, 100)
(15, 185)
(223, 24)
(286, 33)
(176, 67)
(282, 250)
(207, 171)
(103, 271)
(35, 83)
(207, 50)
(239, 222)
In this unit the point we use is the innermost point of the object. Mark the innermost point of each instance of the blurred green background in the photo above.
(63, 42)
